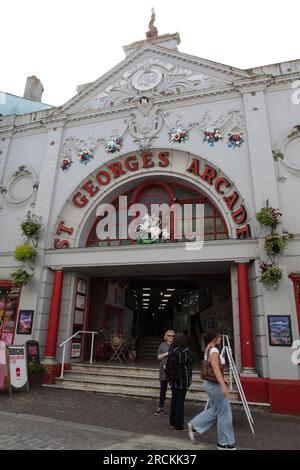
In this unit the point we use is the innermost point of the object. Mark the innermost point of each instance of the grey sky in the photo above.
(66, 43)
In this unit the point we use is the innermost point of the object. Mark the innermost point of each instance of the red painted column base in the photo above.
(53, 371)
(283, 395)
(256, 389)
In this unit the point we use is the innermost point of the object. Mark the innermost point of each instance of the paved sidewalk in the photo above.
(28, 432)
(109, 416)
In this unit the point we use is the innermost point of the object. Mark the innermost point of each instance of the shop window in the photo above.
(9, 301)
(160, 192)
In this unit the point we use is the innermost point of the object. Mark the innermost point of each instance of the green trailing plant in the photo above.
(21, 277)
(35, 368)
(275, 243)
(25, 252)
(31, 227)
(271, 275)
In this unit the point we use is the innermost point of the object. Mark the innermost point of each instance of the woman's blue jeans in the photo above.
(219, 412)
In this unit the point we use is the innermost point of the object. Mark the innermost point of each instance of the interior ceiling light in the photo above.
(146, 295)
(168, 295)
(170, 289)
(146, 288)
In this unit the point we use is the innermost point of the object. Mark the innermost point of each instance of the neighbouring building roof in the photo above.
(12, 104)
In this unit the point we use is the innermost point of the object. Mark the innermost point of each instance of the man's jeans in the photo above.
(219, 412)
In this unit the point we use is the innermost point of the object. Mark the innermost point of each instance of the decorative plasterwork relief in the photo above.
(21, 187)
(144, 126)
(152, 77)
(282, 155)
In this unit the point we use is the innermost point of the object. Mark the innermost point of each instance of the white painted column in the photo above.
(5, 142)
(273, 302)
(48, 176)
(260, 149)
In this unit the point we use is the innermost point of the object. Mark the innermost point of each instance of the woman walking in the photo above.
(162, 356)
(179, 373)
(219, 410)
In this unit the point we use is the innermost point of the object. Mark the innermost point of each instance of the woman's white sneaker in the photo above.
(191, 432)
(226, 447)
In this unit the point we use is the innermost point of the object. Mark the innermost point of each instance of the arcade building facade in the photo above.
(161, 127)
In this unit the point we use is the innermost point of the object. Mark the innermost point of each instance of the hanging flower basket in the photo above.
(235, 140)
(178, 135)
(275, 243)
(212, 135)
(31, 226)
(86, 156)
(25, 252)
(21, 277)
(66, 163)
(269, 217)
(271, 275)
(114, 145)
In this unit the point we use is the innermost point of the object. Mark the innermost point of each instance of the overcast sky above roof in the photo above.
(66, 43)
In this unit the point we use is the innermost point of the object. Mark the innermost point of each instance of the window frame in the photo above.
(170, 189)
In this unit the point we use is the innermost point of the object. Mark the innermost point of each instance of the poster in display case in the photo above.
(25, 321)
(280, 330)
(9, 301)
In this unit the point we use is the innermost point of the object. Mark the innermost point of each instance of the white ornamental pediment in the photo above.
(155, 78)
(155, 74)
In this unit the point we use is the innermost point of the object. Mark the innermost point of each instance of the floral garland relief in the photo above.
(235, 139)
(212, 135)
(114, 145)
(85, 150)
(178, 133)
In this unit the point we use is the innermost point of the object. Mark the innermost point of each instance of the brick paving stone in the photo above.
(136, 415)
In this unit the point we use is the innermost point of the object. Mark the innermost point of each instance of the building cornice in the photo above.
(120, 111)
(253, 84)
(217, 250)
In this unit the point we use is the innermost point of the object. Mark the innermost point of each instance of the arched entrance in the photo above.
(125, 174)
(161, 177)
